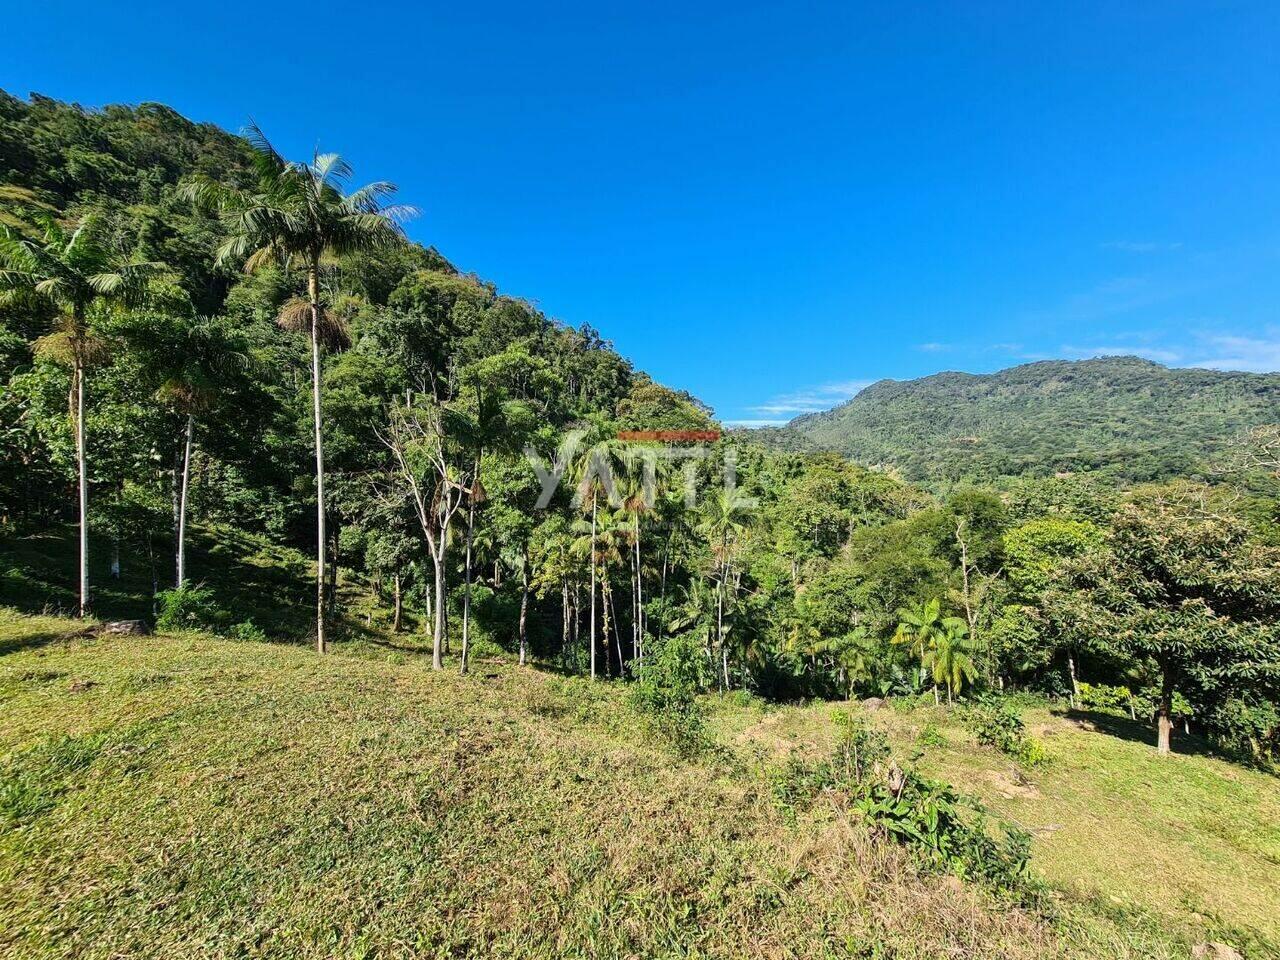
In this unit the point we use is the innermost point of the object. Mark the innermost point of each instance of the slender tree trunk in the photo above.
(1164, 713)
(720, 619)
(430, 598)
(593, 588)
(466, 593)
(84, 491)
(182, 505)
(395, 622)
(437, 636)
(313, 285)
(524, 608)
(613, 617)
(1075, 683)
(639, 652)
(564, 619)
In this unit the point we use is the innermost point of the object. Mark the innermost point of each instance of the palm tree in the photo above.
(196, 361)
(73, 271)
(853, 653)
(920, 629)
(302, 212)
(950, 658)
(724, 517)
(592, 465)
(638, 498)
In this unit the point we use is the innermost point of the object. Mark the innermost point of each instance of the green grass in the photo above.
(1191, 839)
(185, 796)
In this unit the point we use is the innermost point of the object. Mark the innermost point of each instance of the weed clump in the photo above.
(996, 723)
(946, 829)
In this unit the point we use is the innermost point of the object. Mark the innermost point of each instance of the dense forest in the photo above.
(1122, 418)
(199, 334)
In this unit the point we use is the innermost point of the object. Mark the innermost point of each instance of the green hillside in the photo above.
(1128, 418)
(187, 796)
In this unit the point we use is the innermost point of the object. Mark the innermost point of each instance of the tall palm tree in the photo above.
(593, 463)
(950, 658)
(301, 212)
(198, 362)
(724, 517)
(920, 629)
(74, 271)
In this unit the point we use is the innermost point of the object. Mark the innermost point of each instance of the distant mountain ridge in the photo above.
(1128, 418)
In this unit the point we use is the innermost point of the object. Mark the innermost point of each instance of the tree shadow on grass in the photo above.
(250, 578)
(33, 641)
(1137, 731)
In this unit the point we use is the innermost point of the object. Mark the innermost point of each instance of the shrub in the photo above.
(996, 723)
(667, 693)
(248, 631)
(191, 608)
(931, 736)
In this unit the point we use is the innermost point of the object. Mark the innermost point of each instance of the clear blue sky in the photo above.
(768, 204)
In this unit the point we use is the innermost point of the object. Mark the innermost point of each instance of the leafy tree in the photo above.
(1189, 587)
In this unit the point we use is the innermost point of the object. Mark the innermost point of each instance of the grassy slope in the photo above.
(185, 796)
(1191, 838)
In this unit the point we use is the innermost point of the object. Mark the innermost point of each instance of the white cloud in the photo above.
(811, 399)
(755, 423)
(1228, 352)
(933, 347)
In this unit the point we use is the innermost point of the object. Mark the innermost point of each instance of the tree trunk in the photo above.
(84, 491)
(524, 608)
(639, 651)
(395, 621)
(1075, 683)
(1164, 713)
(313, 286)
(466, 593)
(593, 588)
(613, 618)
(720, 615)
(182, 505)
(437, 636)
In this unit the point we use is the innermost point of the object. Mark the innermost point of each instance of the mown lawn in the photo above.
(1191, 838)
(183, 796)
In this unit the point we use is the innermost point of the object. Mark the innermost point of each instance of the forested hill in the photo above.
(1128, 418)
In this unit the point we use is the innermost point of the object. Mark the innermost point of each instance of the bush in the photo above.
(248, 631)
(996, 723)
(667, 693)
(1100, 696)
(931, 736)
(191, 608)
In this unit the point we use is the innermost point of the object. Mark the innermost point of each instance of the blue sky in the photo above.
(773, 204)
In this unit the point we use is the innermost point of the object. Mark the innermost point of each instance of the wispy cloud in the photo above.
(811, 399)
(934, 347)
(1141, 246)
(1229, 352)
(754, 423)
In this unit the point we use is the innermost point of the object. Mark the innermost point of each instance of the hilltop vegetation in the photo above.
(1127, 419)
